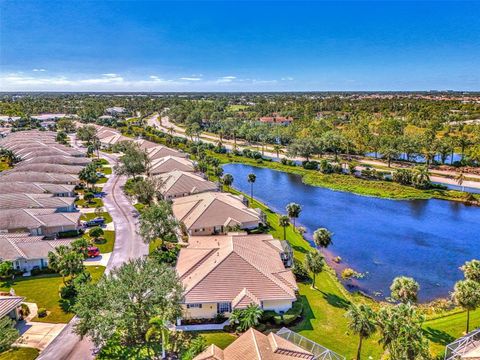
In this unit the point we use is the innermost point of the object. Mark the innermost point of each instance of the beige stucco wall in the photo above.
(208, 311)
(277, 305)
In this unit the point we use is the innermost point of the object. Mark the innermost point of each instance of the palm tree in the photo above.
(421, 177)
(251, 179)
(467, 295)
(244, 319)
(314, 264)
(227, 180)
(277, 148)
(158, 328)
(362, 322)
(294, 210)
(460, 178)
(471, 270)
(284, 221)
(322, 238)
(404, 289)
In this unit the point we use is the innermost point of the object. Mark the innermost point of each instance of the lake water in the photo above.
(426, 239)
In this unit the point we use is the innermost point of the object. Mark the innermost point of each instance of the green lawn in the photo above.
(19, 354)
(90, 216)
(82, 203)
(383, 189)
(43, 290)
(107, 247)
(219, 338)
(106, 170)
(102, 180)
(3, 164)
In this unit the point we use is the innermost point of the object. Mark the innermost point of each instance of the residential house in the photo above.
(215, 213)
(27, 252)
(171, 163)
(180, 183)
(115, 110)
(42, 177)
(45, 222)
(156, 151)
(253, 344)
(10, 306)
(227, 272)
(58, 159)
(19, 187)
(37, 201)
(47, 168)
(276, 119)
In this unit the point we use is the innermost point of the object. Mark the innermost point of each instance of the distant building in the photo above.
(276, 119)
(116, 110)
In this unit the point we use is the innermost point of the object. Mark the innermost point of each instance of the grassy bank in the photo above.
(19, 354)
(382, 189)
(324, 315)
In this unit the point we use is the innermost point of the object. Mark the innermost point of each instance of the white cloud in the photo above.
(191, 78)
(226, 79)
(20, 81)
(39, 70)
(287, 78)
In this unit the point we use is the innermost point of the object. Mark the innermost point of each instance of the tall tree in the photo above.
(66, 261)
(8, 333)
(471, 270)
(404, 289)
(322, 238)
(293, 211)
(314, 263)
(158, 328)
(133, 162)
(467, 295)
(227, 180)
(128, 298)
(401, 332)
(157, 222)
(243, 319)
(251, 178)
(284, 221)
(362, 321)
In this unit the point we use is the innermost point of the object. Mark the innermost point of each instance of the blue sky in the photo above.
(239, 46)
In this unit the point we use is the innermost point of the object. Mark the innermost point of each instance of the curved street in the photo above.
(128, 245)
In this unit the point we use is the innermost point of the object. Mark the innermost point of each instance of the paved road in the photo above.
(443, 176)
(128, 245)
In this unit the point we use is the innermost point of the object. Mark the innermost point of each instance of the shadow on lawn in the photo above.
(336, 300)
(438, 336)
(307, 315)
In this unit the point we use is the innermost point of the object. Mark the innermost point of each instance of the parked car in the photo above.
(98, 221)
(93, 251)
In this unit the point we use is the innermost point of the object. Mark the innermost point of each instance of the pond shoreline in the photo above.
(402, 240)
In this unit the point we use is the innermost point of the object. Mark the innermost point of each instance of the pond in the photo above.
(426, 239)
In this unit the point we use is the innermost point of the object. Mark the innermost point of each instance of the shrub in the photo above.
(289, 319)
(96, 232)
(68, 291)
(278, 320)
(67, 234)
(310, 165)
(42, 312)
(299, 270)
(25, 310)
(268, 316)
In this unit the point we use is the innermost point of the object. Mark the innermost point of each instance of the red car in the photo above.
(93, 251)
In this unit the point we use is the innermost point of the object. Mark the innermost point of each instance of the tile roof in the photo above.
(34, 201)
(19, 187)
(47, 168)
(12, 219)
(35, 176)
(171, 163)
(179, 183)
(253, 345)
(234, 268)
(213, 209)
(58, 159)
(21, 246)
(9, 303)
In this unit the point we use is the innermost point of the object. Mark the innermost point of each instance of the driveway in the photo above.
(37, 334)
(128, 245)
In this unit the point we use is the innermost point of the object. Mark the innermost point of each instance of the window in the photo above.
(224, 307)
(194, 306)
